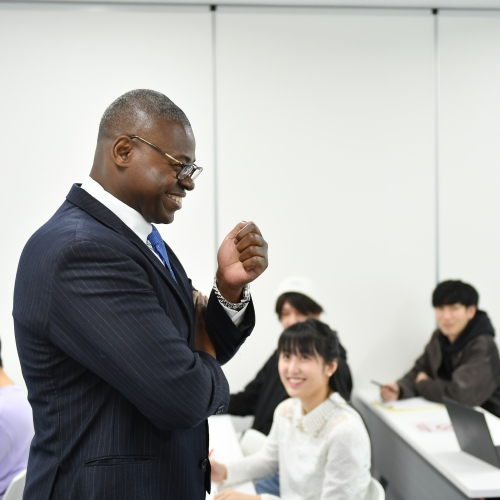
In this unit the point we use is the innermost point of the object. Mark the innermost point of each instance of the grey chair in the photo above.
(16, 487)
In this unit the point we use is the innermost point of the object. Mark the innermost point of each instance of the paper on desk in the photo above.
(411, 404)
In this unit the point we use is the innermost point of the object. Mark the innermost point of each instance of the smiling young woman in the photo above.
(318, 442)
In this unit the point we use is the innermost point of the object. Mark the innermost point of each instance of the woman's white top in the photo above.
(324, 455)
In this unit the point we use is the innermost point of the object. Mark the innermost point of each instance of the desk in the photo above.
(418, 453)
(226, 447)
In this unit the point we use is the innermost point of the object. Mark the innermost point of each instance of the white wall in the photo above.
(325, 137)
(61, 67)
(469, 166)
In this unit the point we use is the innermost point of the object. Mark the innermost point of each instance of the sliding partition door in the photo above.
(469, 161)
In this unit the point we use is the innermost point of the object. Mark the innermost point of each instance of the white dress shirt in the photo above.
(140, 226)
(322, 455)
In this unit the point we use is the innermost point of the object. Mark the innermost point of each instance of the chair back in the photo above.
(251, 442)
(375, 490)
(16, 487)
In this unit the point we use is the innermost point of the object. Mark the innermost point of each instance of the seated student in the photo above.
(16, 430)
(261, 396)
(318, 442)
(461, 359)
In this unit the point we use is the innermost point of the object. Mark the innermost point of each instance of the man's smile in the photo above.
(176, 199)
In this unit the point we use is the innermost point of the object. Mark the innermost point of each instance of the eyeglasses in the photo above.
(186, 170)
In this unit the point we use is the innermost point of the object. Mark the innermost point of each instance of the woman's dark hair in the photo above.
(312, 337)
(455, 292)
(298, 301)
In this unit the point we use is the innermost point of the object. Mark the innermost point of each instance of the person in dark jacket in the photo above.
(265, 392)
(461, 360)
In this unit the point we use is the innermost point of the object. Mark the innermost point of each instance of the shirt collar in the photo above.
(133, 219)
(314, 421)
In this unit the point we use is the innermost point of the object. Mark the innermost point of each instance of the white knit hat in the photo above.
(299, 284)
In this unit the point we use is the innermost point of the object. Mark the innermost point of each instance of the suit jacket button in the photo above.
(203, 464)
(220, 410)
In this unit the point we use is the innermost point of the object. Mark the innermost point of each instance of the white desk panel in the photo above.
(429, 433)
(224, 442)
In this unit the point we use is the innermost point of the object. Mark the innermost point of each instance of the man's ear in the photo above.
(471, 312)
(121, 151)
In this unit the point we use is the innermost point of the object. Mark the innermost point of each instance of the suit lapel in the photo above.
(96, 209)
(180, 273)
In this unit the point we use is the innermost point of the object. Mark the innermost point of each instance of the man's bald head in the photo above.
(136, 111)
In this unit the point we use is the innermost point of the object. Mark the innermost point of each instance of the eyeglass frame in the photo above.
(187, 170)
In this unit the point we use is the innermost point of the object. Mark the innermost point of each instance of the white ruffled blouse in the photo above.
(324, 455)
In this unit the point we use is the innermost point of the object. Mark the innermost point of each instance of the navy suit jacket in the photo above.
(105, 338)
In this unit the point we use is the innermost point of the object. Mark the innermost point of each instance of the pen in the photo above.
(383, 385)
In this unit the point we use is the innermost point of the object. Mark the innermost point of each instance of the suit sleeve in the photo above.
(224, 334)
(472, 382)
(105, 314)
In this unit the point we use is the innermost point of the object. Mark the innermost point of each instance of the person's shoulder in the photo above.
(484, 343)
(16, 416)
(435, 336)
(433, 344)
(285, 408)
(61, 227)
(344, 417)
(69, 226)
(15, 410)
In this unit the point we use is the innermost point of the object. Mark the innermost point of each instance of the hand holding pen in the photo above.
(388, 392)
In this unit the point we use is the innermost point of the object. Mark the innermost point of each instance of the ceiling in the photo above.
(411, 4)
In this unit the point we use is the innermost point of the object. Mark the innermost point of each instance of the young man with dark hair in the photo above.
(461, 360)
(16, 429)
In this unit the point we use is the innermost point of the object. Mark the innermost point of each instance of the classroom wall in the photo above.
(325, 126)
(64, 65)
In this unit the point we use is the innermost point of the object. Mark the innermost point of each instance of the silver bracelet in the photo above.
(231, 305)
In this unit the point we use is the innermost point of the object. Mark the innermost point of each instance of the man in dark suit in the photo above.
(122, 369)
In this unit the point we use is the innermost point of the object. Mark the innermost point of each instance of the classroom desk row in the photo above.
(417, 452)
(414, 449)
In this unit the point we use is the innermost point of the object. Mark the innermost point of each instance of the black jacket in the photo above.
(265, 392)
(105, 338)
(473, 375)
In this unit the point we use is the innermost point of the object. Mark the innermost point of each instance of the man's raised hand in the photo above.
(242, 257)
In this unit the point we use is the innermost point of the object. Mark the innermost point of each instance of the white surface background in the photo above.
(470, 154)
(325, 135)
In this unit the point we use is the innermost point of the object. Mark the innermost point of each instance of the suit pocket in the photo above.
(117, 478)
(118, 460)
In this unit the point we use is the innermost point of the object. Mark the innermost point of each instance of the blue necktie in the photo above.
(156, 241)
